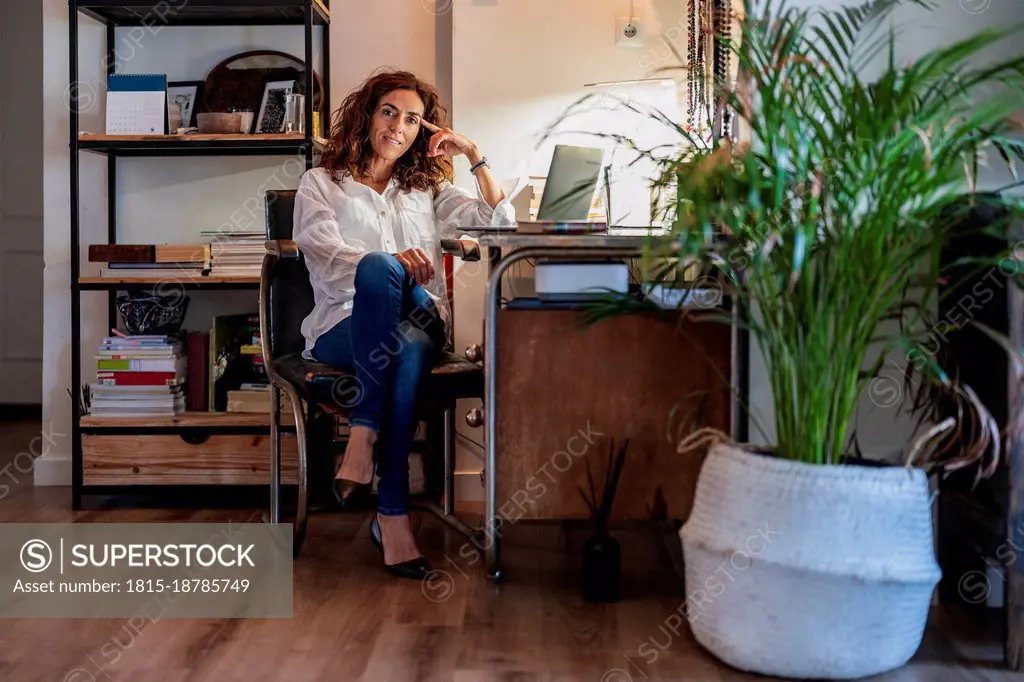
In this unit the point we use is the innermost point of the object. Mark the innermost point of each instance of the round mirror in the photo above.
(239, 82)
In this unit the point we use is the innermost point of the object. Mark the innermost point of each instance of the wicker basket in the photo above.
(806, 571)
(152, 313)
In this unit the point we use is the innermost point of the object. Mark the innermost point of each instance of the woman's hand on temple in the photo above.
(417, 264)
(447, 142)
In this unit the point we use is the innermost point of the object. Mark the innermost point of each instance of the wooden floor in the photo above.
(353, 622)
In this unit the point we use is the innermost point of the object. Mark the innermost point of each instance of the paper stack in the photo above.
(236, 254)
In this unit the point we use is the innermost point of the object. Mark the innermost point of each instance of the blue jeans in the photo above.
(391, 341)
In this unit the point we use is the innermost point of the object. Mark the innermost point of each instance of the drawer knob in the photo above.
(474, 353)
(475, 417)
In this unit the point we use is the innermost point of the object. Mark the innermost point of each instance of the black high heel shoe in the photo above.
(416, 569)
(349, 494)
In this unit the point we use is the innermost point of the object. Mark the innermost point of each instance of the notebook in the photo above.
(136, 104)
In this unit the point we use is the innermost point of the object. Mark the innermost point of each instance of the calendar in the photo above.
(136, 104)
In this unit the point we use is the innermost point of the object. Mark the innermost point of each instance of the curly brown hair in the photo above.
(348, 152)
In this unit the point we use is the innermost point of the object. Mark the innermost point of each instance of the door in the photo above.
(21, 204)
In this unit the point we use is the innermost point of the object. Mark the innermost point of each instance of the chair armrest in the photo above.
(282, 248)
(466, 249)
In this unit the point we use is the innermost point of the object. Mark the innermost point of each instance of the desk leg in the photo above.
(491, 528)
(492, 302)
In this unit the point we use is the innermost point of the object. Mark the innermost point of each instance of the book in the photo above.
(176, 265)
(229, 366)
(255, 402)
(164, 273)
(173, 364)
(121, 253)
(137, 378)
(173, 253)
(198, 371)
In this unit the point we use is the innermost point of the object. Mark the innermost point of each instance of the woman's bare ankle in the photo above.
(399, 542)
(357, 465)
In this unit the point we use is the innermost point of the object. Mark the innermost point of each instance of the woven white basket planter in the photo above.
(807, 571)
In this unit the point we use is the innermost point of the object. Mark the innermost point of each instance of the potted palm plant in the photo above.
(827, 219)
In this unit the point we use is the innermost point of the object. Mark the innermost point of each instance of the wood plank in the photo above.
(353, 621)
(566, 392)
(323, 8)
(169, 460)
(187, 419)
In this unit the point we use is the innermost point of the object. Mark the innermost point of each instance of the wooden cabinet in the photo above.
(567, 390)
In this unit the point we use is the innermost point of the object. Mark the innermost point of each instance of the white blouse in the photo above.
(337, 223)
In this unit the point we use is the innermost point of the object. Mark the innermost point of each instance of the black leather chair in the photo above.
(286, 298)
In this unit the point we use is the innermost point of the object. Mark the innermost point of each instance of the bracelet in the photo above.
(478, 165)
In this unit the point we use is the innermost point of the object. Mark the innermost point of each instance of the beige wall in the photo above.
(413, 35)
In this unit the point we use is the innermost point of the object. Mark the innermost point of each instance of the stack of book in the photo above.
(255, 397)
(236, 254)
(139, 376)
(151, 260)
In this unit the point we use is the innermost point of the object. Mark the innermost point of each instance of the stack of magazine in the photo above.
(236, 254)
(139, 376)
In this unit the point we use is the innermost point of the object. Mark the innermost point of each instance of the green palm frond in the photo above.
(832, 214)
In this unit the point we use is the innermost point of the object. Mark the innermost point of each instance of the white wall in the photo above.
(499, 64)
(539, 53)
(21, 204)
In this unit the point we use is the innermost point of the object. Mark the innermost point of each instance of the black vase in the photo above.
(602, 569)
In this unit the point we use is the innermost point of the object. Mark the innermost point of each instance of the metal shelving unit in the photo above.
(305, 13)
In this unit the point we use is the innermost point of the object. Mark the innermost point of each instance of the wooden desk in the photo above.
(567, 392)
(622, 375)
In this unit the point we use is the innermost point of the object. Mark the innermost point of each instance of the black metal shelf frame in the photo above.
(255, 147)
(205, 12)
(179, 13)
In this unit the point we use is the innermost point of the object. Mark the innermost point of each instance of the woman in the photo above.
(369, 221)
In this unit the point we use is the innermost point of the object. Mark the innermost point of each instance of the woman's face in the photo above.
(396, 123)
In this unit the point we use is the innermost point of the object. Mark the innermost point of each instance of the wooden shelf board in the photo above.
(185, 139)
(187, 419)
(208, 279)
(232, 144)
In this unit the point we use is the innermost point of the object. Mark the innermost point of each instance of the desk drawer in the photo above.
(171, 460)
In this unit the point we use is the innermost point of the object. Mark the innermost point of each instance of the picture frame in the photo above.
(270, 118)
(188, 94)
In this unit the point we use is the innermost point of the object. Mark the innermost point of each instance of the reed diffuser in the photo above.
(602, 555)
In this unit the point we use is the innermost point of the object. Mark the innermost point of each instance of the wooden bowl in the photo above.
(214, 124)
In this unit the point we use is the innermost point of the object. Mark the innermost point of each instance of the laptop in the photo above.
(568, 194)
(572, 179)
